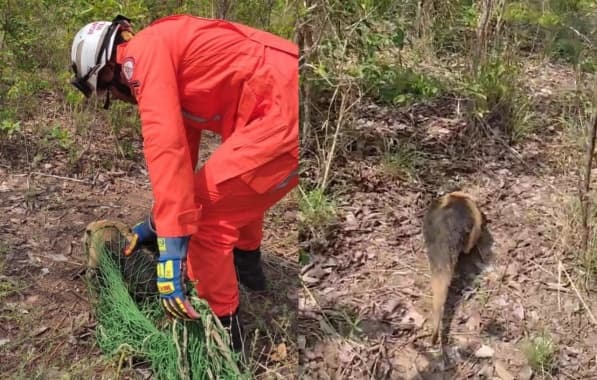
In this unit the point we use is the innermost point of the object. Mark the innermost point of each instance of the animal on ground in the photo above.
(452, 226)
(109, 237)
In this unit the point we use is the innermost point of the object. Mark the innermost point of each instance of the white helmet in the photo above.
(91, 50)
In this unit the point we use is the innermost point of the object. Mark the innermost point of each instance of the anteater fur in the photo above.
(452, 225)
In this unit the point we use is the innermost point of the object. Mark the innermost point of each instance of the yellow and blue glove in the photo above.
(171, 270)
(143, 232)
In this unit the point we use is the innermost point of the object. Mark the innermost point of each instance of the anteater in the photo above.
(452, 225)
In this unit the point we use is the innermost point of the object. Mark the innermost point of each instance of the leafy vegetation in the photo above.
(35, 41)
(48, 127)
(540, 351)
(316, 209)
(409, 52)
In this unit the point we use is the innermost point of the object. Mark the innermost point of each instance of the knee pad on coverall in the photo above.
(231, 214)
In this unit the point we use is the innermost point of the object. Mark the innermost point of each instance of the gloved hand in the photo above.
(171, 270)
(143, 232)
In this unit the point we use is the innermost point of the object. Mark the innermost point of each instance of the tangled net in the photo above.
(131, 323)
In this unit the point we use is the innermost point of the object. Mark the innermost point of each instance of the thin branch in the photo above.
(582, 36)
(61, 177)
(579, 296)
(584, 196)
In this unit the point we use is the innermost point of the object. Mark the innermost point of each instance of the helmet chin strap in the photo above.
(107, 101)
(126, 34)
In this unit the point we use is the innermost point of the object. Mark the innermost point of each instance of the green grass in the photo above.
(35, 42)
(6, 286)
(498, 98)
(401, 161)
(316, 209)
(396, 85)
(9, 127)
(587, 260)
(304, 257)
(61, 136)
(540, 352)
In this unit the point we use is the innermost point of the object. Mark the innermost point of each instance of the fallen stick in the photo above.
(579, 296)
(61, 177)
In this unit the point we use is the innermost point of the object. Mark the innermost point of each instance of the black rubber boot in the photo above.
(248, 268)
(234, 327)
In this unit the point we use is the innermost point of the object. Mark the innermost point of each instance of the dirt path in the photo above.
(46, 326)
(368, 293)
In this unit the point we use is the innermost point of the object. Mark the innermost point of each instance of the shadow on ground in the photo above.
(270, 320)
(468, 270)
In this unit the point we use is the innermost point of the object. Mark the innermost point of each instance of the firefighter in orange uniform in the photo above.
(187, 74)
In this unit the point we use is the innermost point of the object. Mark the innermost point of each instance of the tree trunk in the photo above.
(305, 41)
(424, 24)
(222, 8)
(584, 196)
(480, 53)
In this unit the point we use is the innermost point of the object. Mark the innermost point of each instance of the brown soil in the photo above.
(48, 194)
(366, 298)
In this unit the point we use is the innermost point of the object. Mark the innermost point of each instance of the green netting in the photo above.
(132, 324)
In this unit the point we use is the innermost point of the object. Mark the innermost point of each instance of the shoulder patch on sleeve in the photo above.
(128, 66)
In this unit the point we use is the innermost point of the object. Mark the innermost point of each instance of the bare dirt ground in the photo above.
(48, 194)
(366, 296)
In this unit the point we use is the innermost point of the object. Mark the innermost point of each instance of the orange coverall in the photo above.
(189, 74)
